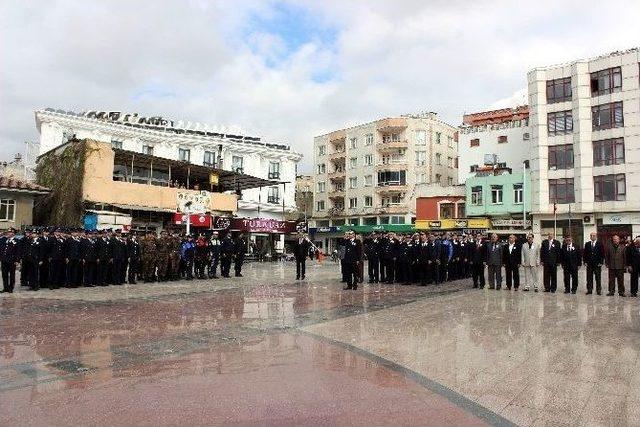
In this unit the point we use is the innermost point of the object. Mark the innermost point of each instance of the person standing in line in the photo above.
(214, 253)
(633, 265)
(31, 255)
(382, 264)
(89, 260)
(201, 257)
(148, 256)
(118, 257)
(300, 251)
(241, 249)
(494, 262)
(530, 261)
(571, 262)
(57, 276)
(390, 257)
(550, 256)
(424, 259)
(593, 257)
(616, 262)
(372, 250)
(512, 262)
(478, 260)
(226, 254)
(9, 258)
(133, 252)
(352, 254)
(187, 253)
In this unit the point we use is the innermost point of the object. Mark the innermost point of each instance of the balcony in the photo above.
(337, 194)
(391, 187)
(392, 166)
(339, 135)
(339, 174)
(338, 211)
(392, 145)
(391, 124)
(338, 155)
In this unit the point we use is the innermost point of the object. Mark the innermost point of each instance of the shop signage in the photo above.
(453, 224)
(621, 218)
(255, 225)
(509, 223)
(189, 201)
(197, 220)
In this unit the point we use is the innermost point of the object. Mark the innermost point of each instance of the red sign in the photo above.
(197, 220)
(254, 225)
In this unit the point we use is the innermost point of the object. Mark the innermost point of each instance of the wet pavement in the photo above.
(267, 350)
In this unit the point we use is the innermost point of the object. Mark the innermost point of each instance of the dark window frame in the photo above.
(561, 156)
(610, 79)
(567, 187)
(475, 142)
(565, 118)
(605, 152)
(559, 89)
(502, 139)
(608, 110)
(616, 181)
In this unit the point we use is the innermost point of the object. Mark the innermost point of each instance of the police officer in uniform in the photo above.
(148, 256)
(352, 254)
(214, 255)
(46, 240)
(104, 259)
(90, 259)
(73, 247)
(57, 261)
(9, 258)
(174, 256)
(372, 250)
(226, 254)
(133, 253)
(31, 253)
(241, 248)
(118, 257)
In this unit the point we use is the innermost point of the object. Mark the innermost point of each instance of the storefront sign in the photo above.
(621, 218)
(509, 223)
(255, 225)
(191, 202)
(453, 224)
(197, 220)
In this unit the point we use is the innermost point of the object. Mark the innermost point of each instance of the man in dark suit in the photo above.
(512, 259)
(571, 262)
(372, 250)
(478, 259)
(494, 262)
(9, 258)
(550, 256)
(633, 265)
(352, 254)
(593, 257)
(301, 251)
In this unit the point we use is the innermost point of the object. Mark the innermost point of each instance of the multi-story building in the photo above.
(366, 174)
(498, 137)
(585, 134)
(190, 144)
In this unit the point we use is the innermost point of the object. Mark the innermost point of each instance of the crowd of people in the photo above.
(432, 258)
(59, 257)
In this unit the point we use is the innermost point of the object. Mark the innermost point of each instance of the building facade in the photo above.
(191, 143)
(498, 137)
(16, 202)
(502, 196)
(585, 133)
(366, 175)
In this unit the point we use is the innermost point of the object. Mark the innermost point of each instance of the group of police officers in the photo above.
(57, 257)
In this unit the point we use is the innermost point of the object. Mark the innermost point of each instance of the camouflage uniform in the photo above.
(148, 257)
(175, 256)
(164, 251)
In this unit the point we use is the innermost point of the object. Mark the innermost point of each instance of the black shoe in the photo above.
(599, 292)
(631, 295)
(610, 294)
(573, 292)
(302, 278)
(297, 278)
(355, 287)
(588, 293)
(347, 288)
(566, 291)
(492, 287)
(622, 295)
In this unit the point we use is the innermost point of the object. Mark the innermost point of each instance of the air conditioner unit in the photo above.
(525, 136)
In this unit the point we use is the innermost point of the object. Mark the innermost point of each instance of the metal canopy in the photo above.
(227, 180)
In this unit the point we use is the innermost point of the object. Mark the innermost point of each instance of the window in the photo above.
(561, 156)
(353, 142)
(7, 210)
(384, 220)
(421, 178)
(438, 159)
(461, 210)
(420, 137)
(609, 188)
(560, 123)
(353, 182)
(320, 205)
(368, 201)
(322, 168)
(608, 152)
(450, 141)
(147, 149)
(496, 194)
(368, 159)
(517, 194)
(606, 81)
(449, 181)
(274, 170)
(339, 187)
(353, 221)
(561, 191)
(322, 186)
(392, 178)
(369, 221)
(397, 220)
(353, 162)
(438, 178)
(368, 180)
(559, 90)
(394, 137)
(368, 139)
(274, 195)
(447, 210)
(438, 137)
(210, 159)
(607, 116)
(353, 202)
(116, 144)
(502, 139)
(394, 200)
(184, 154)
(322, 150)
(421, 158)
(450, 162)
(476, 195)
(474, 142)
(237, 164)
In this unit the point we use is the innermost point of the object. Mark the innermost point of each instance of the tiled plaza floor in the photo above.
(267, 350)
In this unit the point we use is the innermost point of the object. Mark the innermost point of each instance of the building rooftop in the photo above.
(606, 55)
(503, 115)
(13, 184)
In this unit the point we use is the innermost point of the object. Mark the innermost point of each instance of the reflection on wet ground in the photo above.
(212, 353)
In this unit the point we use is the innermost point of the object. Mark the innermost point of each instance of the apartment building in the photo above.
(366, 175)
(494, 138)
(585, 135)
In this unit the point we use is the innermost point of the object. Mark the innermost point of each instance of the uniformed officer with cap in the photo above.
(9, 258)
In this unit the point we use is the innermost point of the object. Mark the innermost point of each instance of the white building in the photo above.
(366, 175)
(197, 144)
(494, 137)
(585, 132)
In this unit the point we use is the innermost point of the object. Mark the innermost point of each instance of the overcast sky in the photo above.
(288, 70)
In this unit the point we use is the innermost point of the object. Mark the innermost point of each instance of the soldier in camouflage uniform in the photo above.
(164, 253)
(148, 256)
(175, 256)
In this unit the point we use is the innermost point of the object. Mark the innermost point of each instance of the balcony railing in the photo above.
(274, 175)
(392, 144)
(272, 199)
